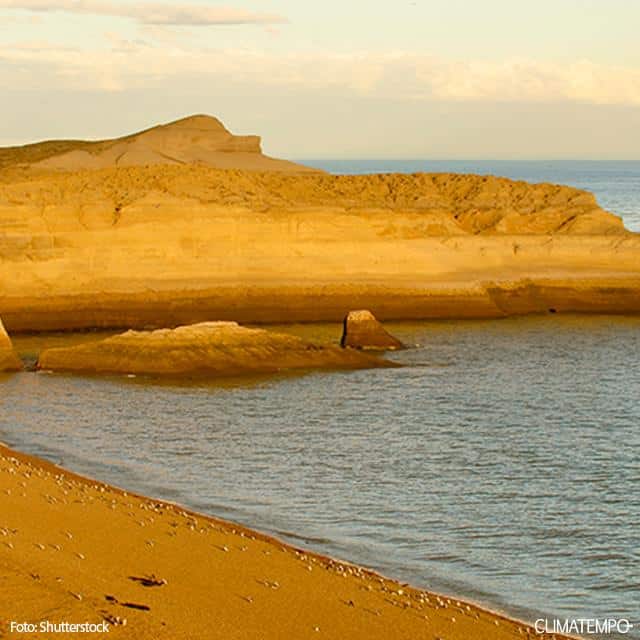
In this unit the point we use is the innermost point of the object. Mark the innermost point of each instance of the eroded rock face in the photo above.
(361, 330)
(9, 361)
(209, 349)
(186, 222)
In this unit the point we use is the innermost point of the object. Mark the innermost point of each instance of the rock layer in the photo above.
(361, 330)
(164, 245)
(9, 361)
(210, 349)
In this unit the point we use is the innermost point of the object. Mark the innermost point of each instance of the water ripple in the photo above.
(510, 476)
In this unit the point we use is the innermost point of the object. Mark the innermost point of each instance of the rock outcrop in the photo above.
(212, 349)
(361, 330)
(9, 361)
(196, 140)
(172, 244)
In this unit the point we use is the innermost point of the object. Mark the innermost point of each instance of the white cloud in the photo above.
(153, 13)
(21, 20)
(532, 81)
(156, 58)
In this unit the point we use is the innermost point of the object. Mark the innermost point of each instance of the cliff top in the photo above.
(197, 162)
(406, 205)
(194, 140)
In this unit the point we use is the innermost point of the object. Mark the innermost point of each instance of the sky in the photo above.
(333, 79)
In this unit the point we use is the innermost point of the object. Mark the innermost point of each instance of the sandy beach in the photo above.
(75, 550)
(319, 320)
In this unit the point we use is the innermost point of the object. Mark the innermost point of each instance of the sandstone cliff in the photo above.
(162, 245)
(201, 140)
(210, 349)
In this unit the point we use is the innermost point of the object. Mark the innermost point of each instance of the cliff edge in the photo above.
(178, 241)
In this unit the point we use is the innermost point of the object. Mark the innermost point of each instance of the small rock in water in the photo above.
(361, 330)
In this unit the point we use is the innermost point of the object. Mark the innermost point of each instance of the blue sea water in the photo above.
(616, 184)
(500, 464)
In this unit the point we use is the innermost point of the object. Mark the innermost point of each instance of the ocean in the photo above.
(616, 184)
(500, 464)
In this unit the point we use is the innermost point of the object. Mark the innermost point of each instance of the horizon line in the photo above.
(455, 159)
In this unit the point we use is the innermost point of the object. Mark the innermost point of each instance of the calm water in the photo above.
(615, 184)
(501, 463)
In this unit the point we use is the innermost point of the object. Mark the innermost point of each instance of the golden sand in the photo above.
(75, 550)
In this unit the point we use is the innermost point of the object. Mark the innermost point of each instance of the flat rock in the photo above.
(9, 360)
(361, 330)
(208, 349)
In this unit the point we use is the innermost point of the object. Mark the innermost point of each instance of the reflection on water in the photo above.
(500, 464)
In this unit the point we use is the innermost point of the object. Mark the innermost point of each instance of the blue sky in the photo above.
(430, 78)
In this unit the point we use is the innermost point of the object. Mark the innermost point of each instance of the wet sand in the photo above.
(75, 550)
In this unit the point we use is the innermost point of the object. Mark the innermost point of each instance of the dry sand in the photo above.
(75, 550)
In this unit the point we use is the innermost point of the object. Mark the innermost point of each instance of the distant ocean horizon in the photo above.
(615, 183)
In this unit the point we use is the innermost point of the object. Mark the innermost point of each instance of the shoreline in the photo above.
(379, 604)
